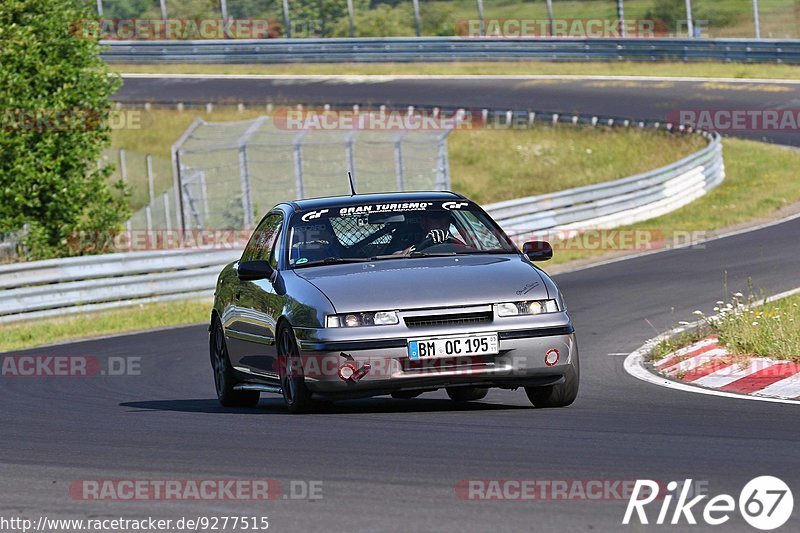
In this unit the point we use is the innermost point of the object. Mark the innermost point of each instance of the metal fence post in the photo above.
(349, 155)
(244, 170)
(244, 176)
(621, 18)
(350, 16)
(416, 18)
(689, 20)
(480, 17)
(177, 178)
(167, 213)
(756, 20)
(297, 154)
(204, 193)
(148, 214)
(287, 21)
(151, 188)
(123, 168)
(99, 8)
(443, 164)
(550, 17)
(223, 7)
(164, 9)
(398, 162)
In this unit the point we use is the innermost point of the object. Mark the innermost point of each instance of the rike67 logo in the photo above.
(765, 503)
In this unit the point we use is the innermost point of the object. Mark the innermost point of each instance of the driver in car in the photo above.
(431, 229)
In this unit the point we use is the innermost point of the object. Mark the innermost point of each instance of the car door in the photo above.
(251, 331)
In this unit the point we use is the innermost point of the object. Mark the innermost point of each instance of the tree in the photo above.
(54, 110)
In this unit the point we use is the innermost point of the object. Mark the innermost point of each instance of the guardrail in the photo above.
(427, 49)
(90, 283)
(619, 202)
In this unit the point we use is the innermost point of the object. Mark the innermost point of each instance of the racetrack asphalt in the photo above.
(394, 464)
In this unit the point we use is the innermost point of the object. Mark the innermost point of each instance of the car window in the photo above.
(386, 230)
(486, 239)
(262, 244)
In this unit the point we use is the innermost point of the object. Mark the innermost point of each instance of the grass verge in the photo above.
(30, 334)
(478, 68)
(761, 180)
(769, 330)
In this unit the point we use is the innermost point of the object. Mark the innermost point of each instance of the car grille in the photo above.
(461, 319)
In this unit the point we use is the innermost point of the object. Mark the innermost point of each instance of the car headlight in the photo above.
(353, 320)
(533, 307)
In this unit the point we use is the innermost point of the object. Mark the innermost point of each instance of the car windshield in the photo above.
(372, 232)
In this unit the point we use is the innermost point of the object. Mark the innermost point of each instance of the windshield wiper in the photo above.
(332, 261)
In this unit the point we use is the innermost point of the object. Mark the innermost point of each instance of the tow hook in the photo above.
(349, 370)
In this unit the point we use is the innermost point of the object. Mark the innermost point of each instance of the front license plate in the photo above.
(453, 346)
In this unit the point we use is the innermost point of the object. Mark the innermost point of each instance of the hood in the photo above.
(427, 282)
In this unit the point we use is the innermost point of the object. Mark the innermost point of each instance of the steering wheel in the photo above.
(435, 238)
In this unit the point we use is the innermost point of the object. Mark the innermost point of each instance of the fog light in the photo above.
(347, 370)
(352, 321)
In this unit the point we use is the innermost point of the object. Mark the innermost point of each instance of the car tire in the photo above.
(467, 394)
(224, 375)
(560, 395)
(293, 383)
(406, 394)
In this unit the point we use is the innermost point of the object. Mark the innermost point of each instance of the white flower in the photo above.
(684, 323)
(720, 302)
(754, 324)
(739, 295)
(698, 313)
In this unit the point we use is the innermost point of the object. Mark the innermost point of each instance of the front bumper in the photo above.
(522, 360)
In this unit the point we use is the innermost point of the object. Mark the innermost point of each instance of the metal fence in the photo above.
(379, 50)
(81, 284)
(365, 18)
(230, 173)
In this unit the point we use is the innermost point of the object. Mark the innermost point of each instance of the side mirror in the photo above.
(538, 250)
(254, 270)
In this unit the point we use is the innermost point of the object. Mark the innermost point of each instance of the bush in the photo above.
(54, 105)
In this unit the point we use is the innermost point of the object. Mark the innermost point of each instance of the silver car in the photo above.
(397, 293)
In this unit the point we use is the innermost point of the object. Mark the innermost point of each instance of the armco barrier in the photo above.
(81, 284)
(90, 283)
(619, 202)
(427, 49)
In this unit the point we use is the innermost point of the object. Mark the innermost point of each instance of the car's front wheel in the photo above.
(560, 395)
(224, 377)
(293, 383)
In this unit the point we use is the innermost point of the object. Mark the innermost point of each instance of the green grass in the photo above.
(30, 334)
(495, 165)
(760, 180)
(745, 329)
(770, 330)
(660, 69)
